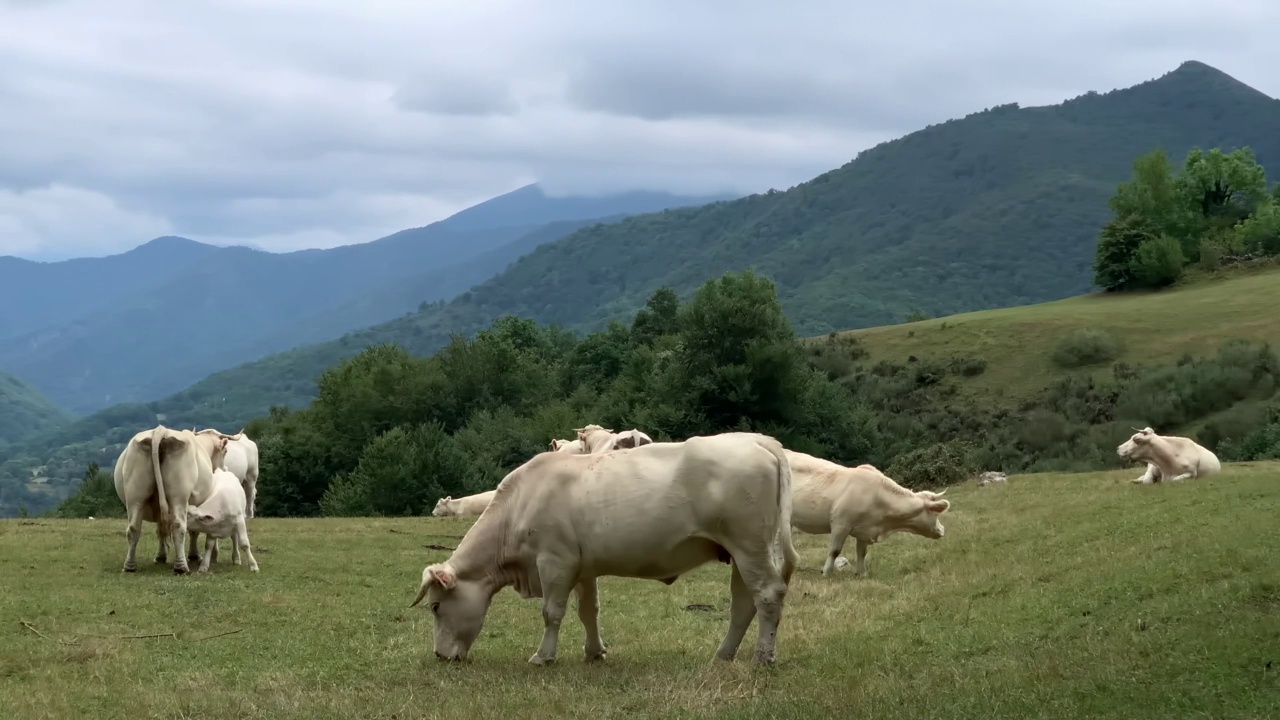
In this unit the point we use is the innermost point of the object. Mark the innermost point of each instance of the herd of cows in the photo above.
(603, 504)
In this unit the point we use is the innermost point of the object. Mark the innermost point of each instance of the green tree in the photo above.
(1221, 188)
(404, 471)
(1117, 245)
(659, 316)
(1152, 195)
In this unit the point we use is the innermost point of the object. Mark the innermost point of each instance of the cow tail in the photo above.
(157, 436)
(782, 536)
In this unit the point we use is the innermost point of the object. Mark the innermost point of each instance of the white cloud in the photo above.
(58, 221)
(281, 123)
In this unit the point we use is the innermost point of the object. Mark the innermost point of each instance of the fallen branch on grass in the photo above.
(33, 629)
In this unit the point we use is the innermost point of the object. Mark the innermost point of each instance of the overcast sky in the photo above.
(288, 124)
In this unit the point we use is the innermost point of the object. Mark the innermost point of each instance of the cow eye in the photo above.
(435, 608)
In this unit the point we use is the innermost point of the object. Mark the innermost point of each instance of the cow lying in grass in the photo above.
(1168, 457)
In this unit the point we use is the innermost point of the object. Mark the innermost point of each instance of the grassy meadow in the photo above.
(1063, 596)
(1151, 327)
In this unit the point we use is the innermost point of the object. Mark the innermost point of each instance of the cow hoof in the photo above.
(181, 571)
(539, 660)
(162, 560)
(130, 570)
(253, 569)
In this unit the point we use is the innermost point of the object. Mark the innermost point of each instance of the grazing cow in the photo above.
(559, 522)
(1168, 457)
(158, 474)
(222, 515)
(469, 505)
(855, 502)
(596, 439)
(242, 460)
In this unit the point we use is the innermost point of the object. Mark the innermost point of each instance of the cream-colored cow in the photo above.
(567, 446)
(158, 474)
(242, 460)
(223, 516)
(1168, 457)
(861, 503)
(559, 522)
(597, 439)
(447, 506)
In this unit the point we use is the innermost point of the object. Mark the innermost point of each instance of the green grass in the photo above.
(1151, 327)
(1029, 607)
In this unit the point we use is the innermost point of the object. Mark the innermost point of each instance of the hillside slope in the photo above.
(24, 411)
(1017, 344)
(1000, 208)
(1063, 596)
(99, 344)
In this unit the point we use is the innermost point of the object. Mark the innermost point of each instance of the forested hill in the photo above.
(24, 411)
(1000, 208)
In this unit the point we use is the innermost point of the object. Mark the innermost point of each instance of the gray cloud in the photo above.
(295, 123)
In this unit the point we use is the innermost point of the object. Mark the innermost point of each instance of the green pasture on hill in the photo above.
(1063, 596)
(1151, 327)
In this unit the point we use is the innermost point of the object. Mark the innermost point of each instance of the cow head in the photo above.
(459, 606)
(630, 439)
(1136, 447)
(444, 507)
(198, 521)
(925, 522)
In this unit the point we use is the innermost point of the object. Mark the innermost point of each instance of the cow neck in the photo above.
(481, 553)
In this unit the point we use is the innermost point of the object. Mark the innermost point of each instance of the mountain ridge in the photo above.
(98, 322)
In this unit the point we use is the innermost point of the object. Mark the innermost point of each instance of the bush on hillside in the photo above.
(1085, 346)
(96, 497)
(935, 466)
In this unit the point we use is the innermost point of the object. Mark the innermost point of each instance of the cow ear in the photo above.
(939, 506)
(443, 575)
(206, 518)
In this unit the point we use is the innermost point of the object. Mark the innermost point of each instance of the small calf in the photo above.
(222, 516)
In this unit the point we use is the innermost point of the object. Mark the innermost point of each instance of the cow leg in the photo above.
(193, 545)
(133, 531)
(861, 568)
(209, 545)
(162, 540)
(1149, 476)
(241, 542)
(768, 592)
(178, 531)
(742, 610)
(1183, 476)
(250, 491)
(589, 614)
(556, 586)
(214, 552)
(838, 535)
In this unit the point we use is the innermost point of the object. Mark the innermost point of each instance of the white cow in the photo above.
(158, 474)
(242, 460)
(447, 506)
(1168, 457)
(567, 446)
(596, 439)
(860, 503)
(559, 522)
(223, 516)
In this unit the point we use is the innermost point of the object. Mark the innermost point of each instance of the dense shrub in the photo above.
(1085, 347)
(96, 497)
(935, 466)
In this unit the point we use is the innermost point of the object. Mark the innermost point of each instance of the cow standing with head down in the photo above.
(560, 521)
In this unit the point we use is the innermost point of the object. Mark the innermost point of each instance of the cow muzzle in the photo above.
(450, 658)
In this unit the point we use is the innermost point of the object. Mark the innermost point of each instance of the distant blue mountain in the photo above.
(93, 332)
